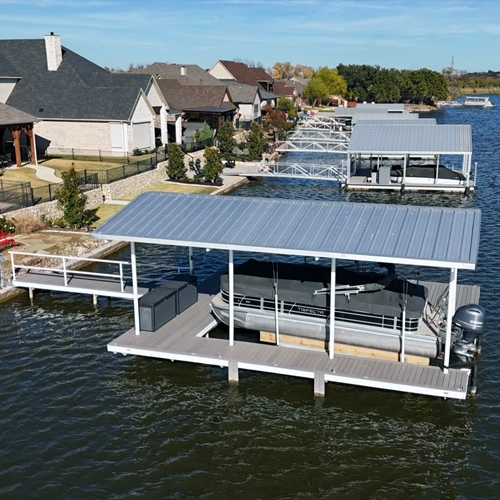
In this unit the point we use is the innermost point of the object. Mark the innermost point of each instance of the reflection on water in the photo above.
(79, 422)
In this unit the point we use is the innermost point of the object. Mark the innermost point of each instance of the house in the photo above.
(185, 74)
(80, 105)
(198, 104)
(241, 73)
(248, 100)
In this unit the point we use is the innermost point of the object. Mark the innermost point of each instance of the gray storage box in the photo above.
(186, 290)
(384, 175)
(156, 308)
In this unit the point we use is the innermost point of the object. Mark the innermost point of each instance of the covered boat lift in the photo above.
(420, 236)
(374, 149)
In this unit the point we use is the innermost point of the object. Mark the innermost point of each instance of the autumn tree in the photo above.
(276, 122)
(325, 83)
(283, 70)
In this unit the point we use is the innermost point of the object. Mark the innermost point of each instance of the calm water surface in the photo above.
(79, 422)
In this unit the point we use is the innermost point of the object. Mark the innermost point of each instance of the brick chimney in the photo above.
(53, 51)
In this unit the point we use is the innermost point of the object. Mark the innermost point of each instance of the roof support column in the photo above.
(178, 129)
(231, 298)
(437, 170)
(163, 125)
(191, 265)
(333, 285)
(452, 297)
(30, 133)
(405, 164)
(16, 135)
(135, 292)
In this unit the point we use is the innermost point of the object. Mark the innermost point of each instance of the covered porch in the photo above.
(16, 126)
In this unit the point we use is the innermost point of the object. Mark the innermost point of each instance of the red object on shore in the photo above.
(6, 240)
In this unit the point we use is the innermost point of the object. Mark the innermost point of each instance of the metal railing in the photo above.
(318, 171)
(64, 269)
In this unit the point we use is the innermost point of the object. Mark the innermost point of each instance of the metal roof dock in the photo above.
(425, 236)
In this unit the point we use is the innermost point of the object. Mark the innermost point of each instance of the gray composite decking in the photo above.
(178, 340)
(93, 285)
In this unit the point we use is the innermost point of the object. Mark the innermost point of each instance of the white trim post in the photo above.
(191, 265)
(333, 284)
(452, 296)
(231, 298)
(135, 292)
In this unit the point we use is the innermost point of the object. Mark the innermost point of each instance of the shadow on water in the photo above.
(77, 421)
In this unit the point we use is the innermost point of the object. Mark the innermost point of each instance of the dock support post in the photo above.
(94, 300)
(231, 298)
(232, 372)
(30, 291)
(191, 266)
(133, 262)
(319, 384)
(333, 284)
(452, 294)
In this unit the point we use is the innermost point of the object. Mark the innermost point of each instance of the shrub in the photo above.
(6, 225)
(28, 223)
(138, 152)
(204, 134)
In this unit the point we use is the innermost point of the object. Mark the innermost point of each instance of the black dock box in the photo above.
(156, 308)
(186, 290)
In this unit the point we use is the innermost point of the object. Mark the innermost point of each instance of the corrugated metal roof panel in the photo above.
(433, 139)
(342, 112)
(381, 119)
(430, 236)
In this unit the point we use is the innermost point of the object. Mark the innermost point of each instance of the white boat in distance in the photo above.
(477, 102)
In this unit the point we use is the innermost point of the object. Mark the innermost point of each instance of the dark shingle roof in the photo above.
(243, 74)
(194, 96)
(194, 75)
(13, 116)
(241, 93)
(78, 90)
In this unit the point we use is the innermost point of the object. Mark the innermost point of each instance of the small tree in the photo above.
(176, 170)
(225, 139)
(204, 134)
(256, 142)
(213, 165)
(72, 201)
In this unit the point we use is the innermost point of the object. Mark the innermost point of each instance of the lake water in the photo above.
(79, 422)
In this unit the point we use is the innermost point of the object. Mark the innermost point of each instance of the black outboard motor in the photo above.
(467, 328)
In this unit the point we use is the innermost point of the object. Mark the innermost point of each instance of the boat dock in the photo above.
(440, 237)
(187, 338)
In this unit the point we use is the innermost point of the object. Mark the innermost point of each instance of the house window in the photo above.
(255, 109)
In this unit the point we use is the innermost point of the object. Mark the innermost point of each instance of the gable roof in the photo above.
(77, 90)
(241, 93)
(191, 97)
(243, 74)
(194, 75)
(13, 116)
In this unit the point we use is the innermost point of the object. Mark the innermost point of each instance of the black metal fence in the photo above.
(197, 146)
(15, 195)
(96, 155)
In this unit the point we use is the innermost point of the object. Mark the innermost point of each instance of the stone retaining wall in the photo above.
(95, 197)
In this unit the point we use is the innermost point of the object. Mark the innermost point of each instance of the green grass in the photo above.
(105, 211)
(173, 187)
(23, 174)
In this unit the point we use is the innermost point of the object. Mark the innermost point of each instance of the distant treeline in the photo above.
(373, 83)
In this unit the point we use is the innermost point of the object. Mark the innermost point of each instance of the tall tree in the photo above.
(213, 165)
(176, 169)
(256, 142)
(72, 200)
(225, 138)
(324, 84)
